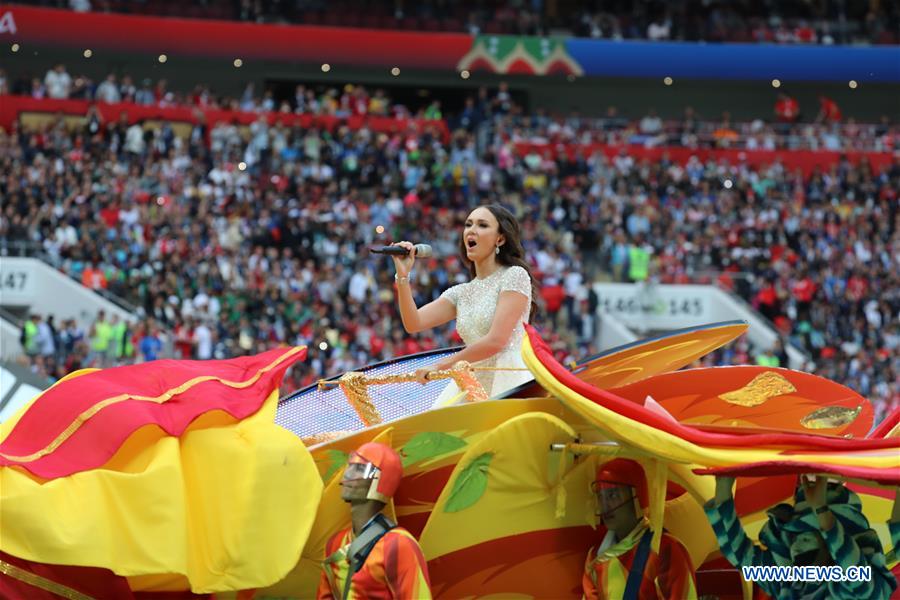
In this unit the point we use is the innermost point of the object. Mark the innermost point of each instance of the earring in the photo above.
(497, 250)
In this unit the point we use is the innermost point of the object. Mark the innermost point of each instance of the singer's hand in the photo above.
(404, 264)
(423, 373)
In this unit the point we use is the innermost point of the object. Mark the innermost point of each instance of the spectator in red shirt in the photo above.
(553, 294)
(829, 111)
(804, 290)
(766, 301)
(804, 33)
(787, 109)
(184, 339)
(857, 287)
(93, 278)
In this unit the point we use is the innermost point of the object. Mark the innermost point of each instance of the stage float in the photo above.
(192, 478)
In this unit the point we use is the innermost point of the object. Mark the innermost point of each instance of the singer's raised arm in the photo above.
(416, 319)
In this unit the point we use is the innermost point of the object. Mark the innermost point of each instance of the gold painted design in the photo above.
(763, 387)
(90, 412)
(829, 417)
(41, 582)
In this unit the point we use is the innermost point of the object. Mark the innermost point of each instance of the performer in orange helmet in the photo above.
(373, 558)
(624, 564)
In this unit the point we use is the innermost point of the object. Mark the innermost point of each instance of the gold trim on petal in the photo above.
(829, 417)
(763, 387)
(90, 412)
(41, 582)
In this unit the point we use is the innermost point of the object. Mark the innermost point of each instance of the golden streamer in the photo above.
(41, 582)
(88, 413)
(355, 386)
(763, 387)
(320, 438)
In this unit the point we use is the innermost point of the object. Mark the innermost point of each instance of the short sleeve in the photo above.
(452, 294)
(516, 279)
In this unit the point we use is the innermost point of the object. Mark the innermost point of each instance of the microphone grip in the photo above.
(422, 251)
(390, 251)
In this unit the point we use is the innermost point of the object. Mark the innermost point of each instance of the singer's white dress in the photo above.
(476, 303)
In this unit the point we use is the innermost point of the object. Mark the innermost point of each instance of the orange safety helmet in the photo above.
(624, 472)
(387, 472)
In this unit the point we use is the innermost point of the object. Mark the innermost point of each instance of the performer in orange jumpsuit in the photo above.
(379, 559)
(624, 565)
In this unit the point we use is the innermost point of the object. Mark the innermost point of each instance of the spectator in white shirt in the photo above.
(58, 82)
(46, 343)
(203, 339)
(108, 91)
(659, 29)
(134, 139)
(651, 124)
(359, 286)
(145, 95)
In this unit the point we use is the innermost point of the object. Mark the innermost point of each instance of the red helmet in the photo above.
(624, 472)
(386, 472)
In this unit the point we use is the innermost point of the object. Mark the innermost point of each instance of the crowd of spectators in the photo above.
(350, 99)
(231, 240)
(822, 130)
(744, 22)
(695, 131)
(821, 21)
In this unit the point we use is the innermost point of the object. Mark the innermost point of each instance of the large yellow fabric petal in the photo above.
(520, 494)
(512, 521)
(227, 506)
(333, 514)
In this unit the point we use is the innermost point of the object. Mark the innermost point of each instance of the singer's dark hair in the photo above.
(512, 253)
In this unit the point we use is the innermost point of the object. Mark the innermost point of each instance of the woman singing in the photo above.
(490, 309)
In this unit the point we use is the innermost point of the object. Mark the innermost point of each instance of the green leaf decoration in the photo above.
(429, 444)
(338, 461)
(469, 487)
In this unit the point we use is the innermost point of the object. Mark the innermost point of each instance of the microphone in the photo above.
(422, 251)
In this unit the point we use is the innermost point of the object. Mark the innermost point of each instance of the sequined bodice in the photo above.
(476, 303)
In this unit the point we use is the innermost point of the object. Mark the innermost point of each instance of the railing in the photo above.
(11, 318)
(31, 249)
(19, 247)
(11, 106)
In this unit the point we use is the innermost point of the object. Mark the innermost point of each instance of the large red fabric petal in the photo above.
(80, 423)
